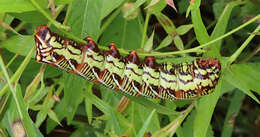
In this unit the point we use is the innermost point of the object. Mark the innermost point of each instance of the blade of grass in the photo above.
(232, 112)
(10, 86)
(149, 104)
(221, 27)
(20, 104)
(19, 71)
(166, 41)
(174, 125)
(237, 82)
(199, 27)
(145, 125)
(104, 107)
(73, 96)
(144, 37)
(88, 105)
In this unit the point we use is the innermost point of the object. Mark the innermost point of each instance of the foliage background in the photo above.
(46, 101)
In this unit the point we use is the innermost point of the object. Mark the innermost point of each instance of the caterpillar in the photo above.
(127, 74)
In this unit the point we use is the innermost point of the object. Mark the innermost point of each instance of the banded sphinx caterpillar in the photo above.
(127, 74)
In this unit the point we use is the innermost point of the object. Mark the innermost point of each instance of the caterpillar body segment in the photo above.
(128, 74)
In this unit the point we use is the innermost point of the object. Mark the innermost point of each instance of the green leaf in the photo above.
(183, 6)
(88, 105)
(137, 4)
(109, 6)
(19, 44)
(187, 129)
(244, 82)
(41, 115)
(167, 23)
(11, 115)
(183, 29)
(125, 34)
(149, 43)
(248, 74)
(145, 125)
(46, 107)
(149, 104)
(31, 16)
(166, 41)
(19, 5)
(220, 28)
(199, 27)
(85, 18)
(158, 7)
(218, 8)
(104, 107)
(73, 96)
(205, 109)
(178, 42)
(232, 112)
(53, 116)
(60, 2)
(171, 128)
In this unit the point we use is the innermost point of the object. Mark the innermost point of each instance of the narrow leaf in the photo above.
(149, 43)
(166, 41)
(205, 111)
(183, 29)
(145, 125)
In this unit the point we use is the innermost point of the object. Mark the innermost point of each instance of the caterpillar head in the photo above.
(44, 49)
(212, 65)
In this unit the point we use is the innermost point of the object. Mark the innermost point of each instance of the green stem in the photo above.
(210, 42)
(145, 29)
(54, 22)
(243, 46)
(67, 14)
(9, 63)
(19, 27)
(11, 87)
(252, 54)
(110, 19)
(196, 49)
(19, 71)
(174, 125)
(188, 45)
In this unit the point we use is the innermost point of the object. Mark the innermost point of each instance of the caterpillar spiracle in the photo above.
(127, 74)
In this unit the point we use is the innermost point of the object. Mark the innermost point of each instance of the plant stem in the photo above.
(54, 22)
(243, 46)
(19, 71)
(67, 14)
(11, 87)
(196, 49)
(110, 19)
(210, 42)
(257, 49)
